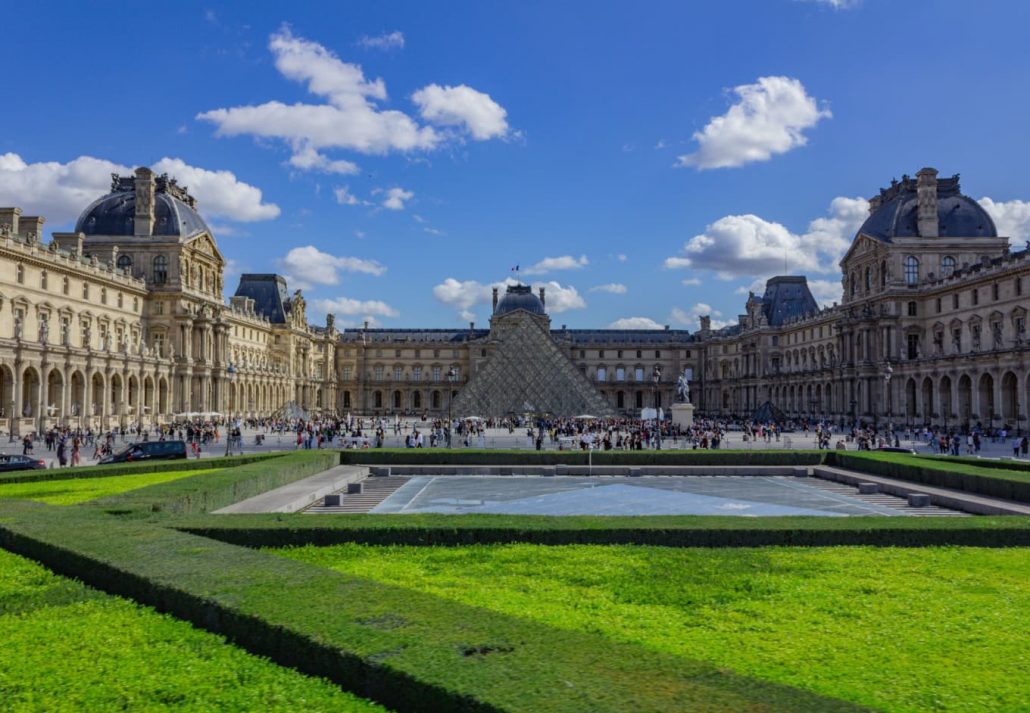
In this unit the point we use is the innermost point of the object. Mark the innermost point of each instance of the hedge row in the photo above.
(1007, 485)
(207, 492)
(670, 531)
(443, 456)
(106, 471)
(407, 650)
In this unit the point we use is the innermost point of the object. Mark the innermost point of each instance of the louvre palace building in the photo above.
(123, 322)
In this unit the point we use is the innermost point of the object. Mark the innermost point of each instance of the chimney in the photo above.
(472, 326)
(926, 190)
(543, 301)
(9, 218)
(144, 218)
(70, 242)
(495, 299)
(29, 224)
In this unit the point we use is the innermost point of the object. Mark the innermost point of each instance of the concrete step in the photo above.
(374, 491)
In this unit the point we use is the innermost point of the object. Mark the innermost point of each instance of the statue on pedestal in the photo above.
(683, 388)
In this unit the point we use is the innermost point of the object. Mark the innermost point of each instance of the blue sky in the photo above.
(646, 162)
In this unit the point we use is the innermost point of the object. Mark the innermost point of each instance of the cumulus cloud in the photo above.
(826, 292)
(345, 197)
(386, 41)
(308, 159)
(1011, 218)
(635, 323)
(462, 106)
(351, 307)
(691, 317)
(737, 245)
(350, 117)
(691, 282)
(60, 191)
(307, 266)
(394, 198)
(465, 295)
(552, 264)
(769, 118)
(621, 257)
(219, 193)
(615, 288)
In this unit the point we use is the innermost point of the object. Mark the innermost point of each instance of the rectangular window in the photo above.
(976, 296)
(437, 373)
(639, 353)
(600, 353)
(417, 373)
(85, 290)
(913, 346)
(912, 309)
(657, 354)
(954, 301)
(620, 374)
(994, 292)
(619, 353)
(638, 374)
(397, 353)
(1019, 286)
(397, 373)
(418, 353)
(378, 373)
(346, 373)
(938, 305)
(775, 341)
(602, 374)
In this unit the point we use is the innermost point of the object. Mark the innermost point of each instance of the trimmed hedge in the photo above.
(277, 530)
(443, 456)
(107, 471)
(404, 649)
(1007, 485)
(207, 492)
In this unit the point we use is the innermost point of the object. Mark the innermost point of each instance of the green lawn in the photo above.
(896, 629)
(66, 647)
(80, 490)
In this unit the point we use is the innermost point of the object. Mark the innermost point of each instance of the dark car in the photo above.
(20, 463)
(148, 450)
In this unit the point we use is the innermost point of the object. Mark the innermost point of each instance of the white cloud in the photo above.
(462, 106)
(308, 266)
(552, 264)
(350, 119)
(351, 307)
(691, 281)
(434, 231)
(614, 288)
(1011, 218)
(345, 197)
(465, 295)
(836, 4)
(395, 198)
(635, 323)
(691, 317)
(738, 245)
(308, 159)
(769, 118)
(219, 193)
(60, 191)
(385, 41)
(621, 257)
(826, 292)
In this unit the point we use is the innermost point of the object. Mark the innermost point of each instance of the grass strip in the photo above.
(107, 471)
(66, 647)
(282, 530)
(940, 629)
(940, 472)
(211, 491)
(80, 490)
(407, 650)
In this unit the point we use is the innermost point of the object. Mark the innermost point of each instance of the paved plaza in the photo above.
(498, 438)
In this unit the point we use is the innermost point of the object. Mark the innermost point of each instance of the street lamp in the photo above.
(452, 374)
(230, 374)
(888, 372)
(656, 377)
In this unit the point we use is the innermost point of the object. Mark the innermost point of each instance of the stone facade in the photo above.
(122, 321)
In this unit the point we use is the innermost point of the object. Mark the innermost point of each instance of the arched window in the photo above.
(160, 269)
(947, 266)
(378, 398)
(124, 262)
(911, 270)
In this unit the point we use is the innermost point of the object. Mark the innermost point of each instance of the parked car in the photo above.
(16, 462)
(148, 450)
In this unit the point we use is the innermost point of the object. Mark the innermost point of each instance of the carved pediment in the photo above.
(204, 245)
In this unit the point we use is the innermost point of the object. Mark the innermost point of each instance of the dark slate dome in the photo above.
(519, 297)
(175, 212)
(896, 215)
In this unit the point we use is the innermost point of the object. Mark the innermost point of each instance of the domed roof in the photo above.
(895, 213)
(519, 297)
(175, 211)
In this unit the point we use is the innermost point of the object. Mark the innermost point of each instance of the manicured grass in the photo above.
(65, 647)
(936, 629)
(72, 492)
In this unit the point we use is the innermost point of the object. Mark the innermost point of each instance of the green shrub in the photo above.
(443, 456)
(277, 530)
(79, 490)
(207, 492)
(404, 649)
(939, 472)
(107, 471)
(69, 647)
